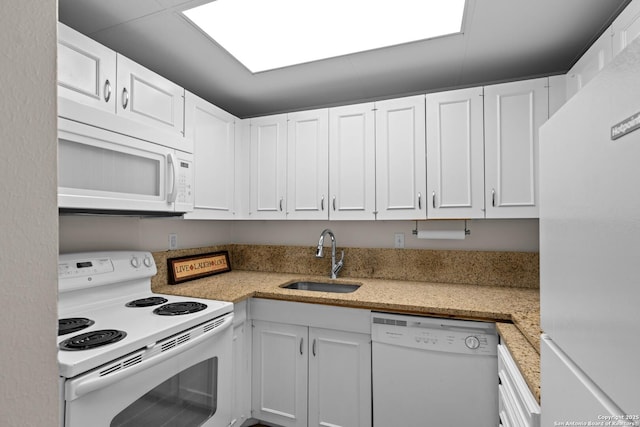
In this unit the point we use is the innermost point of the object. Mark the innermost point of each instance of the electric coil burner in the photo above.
(179, 308)
(92, 339)
(146, 302)
(73, 324)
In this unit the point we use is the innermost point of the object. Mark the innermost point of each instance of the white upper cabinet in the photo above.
(308, 165)
(513, 114)
(268, 167)
(86, 70)
(89, 74)
(455, 154)
(590, 64)
(352, 162)
(400, 159)
(626, 27)
(148, 97)
(212, 131)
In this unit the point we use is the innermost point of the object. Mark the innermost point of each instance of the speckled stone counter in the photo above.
(524, 354)
(515, 309)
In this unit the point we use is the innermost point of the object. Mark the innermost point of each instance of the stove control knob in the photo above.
(135, 262)
(472, 342)
(148, 262)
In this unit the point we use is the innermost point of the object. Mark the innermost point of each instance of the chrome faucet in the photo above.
(335, 267)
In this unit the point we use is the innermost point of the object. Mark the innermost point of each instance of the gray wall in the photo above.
(78, 233)
(29, 251)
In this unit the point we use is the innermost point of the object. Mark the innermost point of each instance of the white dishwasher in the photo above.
(433, 372)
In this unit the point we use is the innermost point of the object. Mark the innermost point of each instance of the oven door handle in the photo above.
(93, 381)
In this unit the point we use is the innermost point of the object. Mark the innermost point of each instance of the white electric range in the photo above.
(130, 357)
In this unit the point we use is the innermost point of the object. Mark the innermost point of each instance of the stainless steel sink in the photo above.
(342, 288)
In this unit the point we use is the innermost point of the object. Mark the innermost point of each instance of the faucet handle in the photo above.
(338, 266)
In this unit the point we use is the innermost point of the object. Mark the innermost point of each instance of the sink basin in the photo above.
(342, 288)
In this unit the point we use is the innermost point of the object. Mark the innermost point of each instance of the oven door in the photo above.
(184, 381)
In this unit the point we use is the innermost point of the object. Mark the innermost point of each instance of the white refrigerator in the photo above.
(590, 252)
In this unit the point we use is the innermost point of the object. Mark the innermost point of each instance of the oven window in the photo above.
(187, 399)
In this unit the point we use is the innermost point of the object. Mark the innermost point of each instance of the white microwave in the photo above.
(101, 170)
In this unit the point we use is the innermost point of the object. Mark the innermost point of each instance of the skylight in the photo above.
(268, 34)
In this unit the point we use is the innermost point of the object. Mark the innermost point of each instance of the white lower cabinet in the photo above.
(241, 384)
(516, 405)
(305, 375)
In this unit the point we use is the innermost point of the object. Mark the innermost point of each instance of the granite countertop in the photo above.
(516, 311)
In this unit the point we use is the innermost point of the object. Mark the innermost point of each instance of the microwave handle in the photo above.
(82, 387)
(173, 162)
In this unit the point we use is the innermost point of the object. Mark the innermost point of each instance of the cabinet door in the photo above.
(590, 64)
(513, 114)
(149, 98)
(455, 154)
(280, 373)
(308, 165)
(352, 162)
(400, 159)
(212, 131)
(86, 70)
(268, 158)
(626, 27)
(339, 378)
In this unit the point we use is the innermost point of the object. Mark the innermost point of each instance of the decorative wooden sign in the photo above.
(185, 268)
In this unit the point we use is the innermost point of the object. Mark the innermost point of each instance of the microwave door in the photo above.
(103, 170)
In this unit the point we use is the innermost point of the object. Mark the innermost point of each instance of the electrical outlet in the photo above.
(173, 241)
(399, 240)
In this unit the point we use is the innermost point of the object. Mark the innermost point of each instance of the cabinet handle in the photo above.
(433, 199)
(125, 98)
(107, 90)
(334, 203)
(301, 342)
(281, 204)
(322, 203)
(313, 347)
(493, 197)
(419, 201)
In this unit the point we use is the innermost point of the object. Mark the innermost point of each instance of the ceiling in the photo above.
(503, 40)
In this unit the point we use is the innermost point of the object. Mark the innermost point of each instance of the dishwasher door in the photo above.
(433, 372)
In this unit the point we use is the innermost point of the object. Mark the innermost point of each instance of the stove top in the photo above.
(111, 293)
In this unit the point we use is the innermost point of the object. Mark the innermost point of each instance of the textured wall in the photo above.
(79, 233)
(29, 245)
